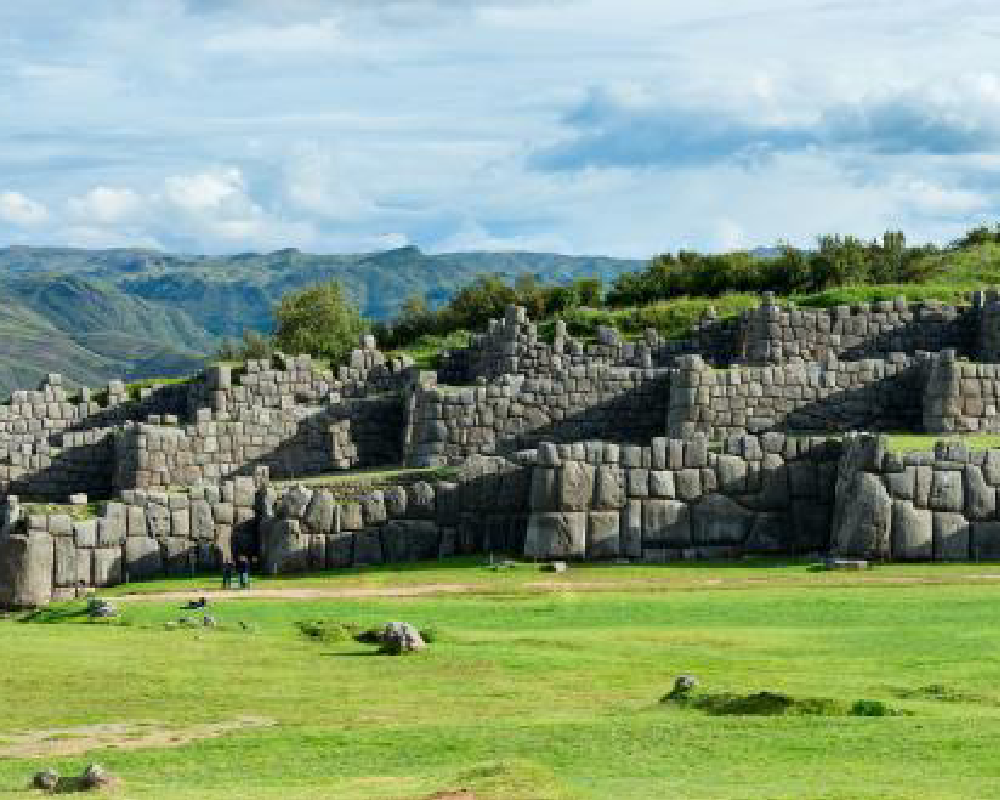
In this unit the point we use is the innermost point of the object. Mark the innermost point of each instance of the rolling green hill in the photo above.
(93, 315)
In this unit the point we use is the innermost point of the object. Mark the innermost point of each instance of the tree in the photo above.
(319, 320)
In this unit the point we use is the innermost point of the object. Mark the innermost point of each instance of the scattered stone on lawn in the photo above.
(208, 621)
(683, 684)
(78, 499)
(101, 609)
(47, 779)
(555, 566)
(401, 637)
(847, 563)
(96, 777)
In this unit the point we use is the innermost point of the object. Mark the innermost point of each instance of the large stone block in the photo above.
(339, 549)
(947, 492)
(687, 483)
(732, 472)
(285, 545)
(545, 488)
(717, 520)
(902, 484)
(661, 484)
(107, 566)
(952, 537)
(319, 517)
(26, 569)
(603, 534)
(143, 558)
(630, 535)
(65, 561)
(350, 517)
(201, 524)
(556, 535)
(576, 486)
(980, 497)
(85, 533)
(986, 541)
(769, 533)
(912, 532)
(862, 517)
(665, 523)
(609, 487)
(158, 521)
(177, 555)
(367, 548)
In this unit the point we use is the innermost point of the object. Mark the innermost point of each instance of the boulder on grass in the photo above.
(401, 637)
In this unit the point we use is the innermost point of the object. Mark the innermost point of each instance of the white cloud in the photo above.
(205, 190)
(322, 36)
(19, 209)
(104, 204)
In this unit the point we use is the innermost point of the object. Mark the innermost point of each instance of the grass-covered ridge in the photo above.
(536, 695)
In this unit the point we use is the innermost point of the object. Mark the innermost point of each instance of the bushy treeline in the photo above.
(836, 261)
(672, 291)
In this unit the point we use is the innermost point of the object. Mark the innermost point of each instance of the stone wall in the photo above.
(774, 334)
(511, 346)
(677, 499)
(516, 413)
(960, 396)
(831, 396)
(939, 506)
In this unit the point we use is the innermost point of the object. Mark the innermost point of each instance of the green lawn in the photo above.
(536, 695)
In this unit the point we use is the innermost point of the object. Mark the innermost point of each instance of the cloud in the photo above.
(614, 129)
(206, 190)
(19, 209)
(322, 36)
(104, 204)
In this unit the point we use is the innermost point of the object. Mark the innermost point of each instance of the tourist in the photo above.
(243, 564)
(227, 574)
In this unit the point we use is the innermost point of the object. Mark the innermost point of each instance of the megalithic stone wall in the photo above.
(627, 404)
(961, 397)
(677, 499)
(939, 506)
(829, 396)
(775, 334)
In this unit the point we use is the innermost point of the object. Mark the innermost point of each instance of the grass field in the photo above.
(530, 693)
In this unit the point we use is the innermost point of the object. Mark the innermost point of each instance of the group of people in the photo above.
(241, 568)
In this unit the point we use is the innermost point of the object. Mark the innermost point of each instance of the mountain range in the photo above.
(94, 315)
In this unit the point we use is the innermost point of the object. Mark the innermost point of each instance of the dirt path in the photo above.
(311, 593)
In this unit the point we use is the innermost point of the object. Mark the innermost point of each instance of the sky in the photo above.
(617, 127)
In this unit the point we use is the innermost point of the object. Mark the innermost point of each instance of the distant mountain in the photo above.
(94, 315)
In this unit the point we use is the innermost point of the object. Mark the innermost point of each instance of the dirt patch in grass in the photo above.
(117, 735)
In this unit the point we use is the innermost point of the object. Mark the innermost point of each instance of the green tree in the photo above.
(319, 320)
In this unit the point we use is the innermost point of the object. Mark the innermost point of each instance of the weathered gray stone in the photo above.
(609, 487)
(768, 533)
(638, 482)
(294, 502)
(367, 548)
(687, 484)
(952, 537)
(201, 523)
(285, 546)
(576, 486)
(143, 558)
(350, 517)
(395, 501)
(980, 497)
(176, 555)
(717, 520)
(545, 488)
(732, 472)
(158, 521)
(986, 541)
(107, 566)
(912, 532)
(862, 518)
(556, 535)
(319, 517)
(603, 534)
(901, 484)
(65, 561)
(665, 523)
(922, 486)
(26, 569)
(946, 490)
(339, 549)
(661, 484)
(85, 533)
(631, 529)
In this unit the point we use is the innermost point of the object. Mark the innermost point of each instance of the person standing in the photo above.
(243, 565)
(227, 574)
